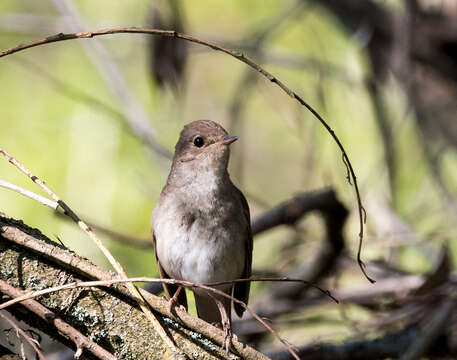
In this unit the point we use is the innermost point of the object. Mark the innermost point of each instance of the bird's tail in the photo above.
(208, 310)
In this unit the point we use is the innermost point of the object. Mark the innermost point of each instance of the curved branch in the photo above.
(237, 55)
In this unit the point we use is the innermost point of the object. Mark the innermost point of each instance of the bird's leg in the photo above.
(226, 325)
(174, 300)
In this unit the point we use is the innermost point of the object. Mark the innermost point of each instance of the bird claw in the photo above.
(181, 307)
(173, 303)
(234, 337)
(227, 337)
(225, 325)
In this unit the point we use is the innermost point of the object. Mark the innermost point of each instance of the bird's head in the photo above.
(203, 145)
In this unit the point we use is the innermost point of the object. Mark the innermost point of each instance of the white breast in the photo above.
(206, 250)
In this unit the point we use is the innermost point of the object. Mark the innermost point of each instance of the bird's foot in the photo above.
(226, 326)
(228, 336)
(173, 303)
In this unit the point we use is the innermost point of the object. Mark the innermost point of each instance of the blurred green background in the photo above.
(95, 163)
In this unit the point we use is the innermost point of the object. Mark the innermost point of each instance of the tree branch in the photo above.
(111, 317)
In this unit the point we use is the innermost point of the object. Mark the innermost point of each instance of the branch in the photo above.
(41, 199)
(237, 55)
(21, 297)
(291, 211)
(391, 345)
(188, 284)
(30, 260)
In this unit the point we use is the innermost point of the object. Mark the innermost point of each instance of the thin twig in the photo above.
(237, 55)
(280, 279)
(29, 194)
(21, 332)
(129, 239)
(116, 265)
(188, 284)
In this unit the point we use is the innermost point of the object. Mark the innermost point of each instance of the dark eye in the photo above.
(198, 141)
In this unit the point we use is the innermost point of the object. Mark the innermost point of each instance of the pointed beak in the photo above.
(227, 140)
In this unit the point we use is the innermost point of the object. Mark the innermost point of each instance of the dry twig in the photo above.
(188, 284)
(41, 199)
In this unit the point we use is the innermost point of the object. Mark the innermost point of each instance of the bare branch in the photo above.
(29, 194)
(280, 296)
(188, 284)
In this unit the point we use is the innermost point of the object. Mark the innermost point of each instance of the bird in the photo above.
(201, 224)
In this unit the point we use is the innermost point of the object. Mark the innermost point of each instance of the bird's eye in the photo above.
(198, 141)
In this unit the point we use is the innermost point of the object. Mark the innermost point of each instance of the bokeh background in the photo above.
(384, 83)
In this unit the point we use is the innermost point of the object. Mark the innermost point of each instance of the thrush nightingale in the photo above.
(201, 223)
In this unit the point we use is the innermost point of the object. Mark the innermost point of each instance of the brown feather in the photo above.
(207, 308)
(241, 289)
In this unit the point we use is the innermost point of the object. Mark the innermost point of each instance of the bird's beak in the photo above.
(227, 140)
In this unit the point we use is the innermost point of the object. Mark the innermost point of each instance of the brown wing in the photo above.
(169, 288)
(241, 289)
